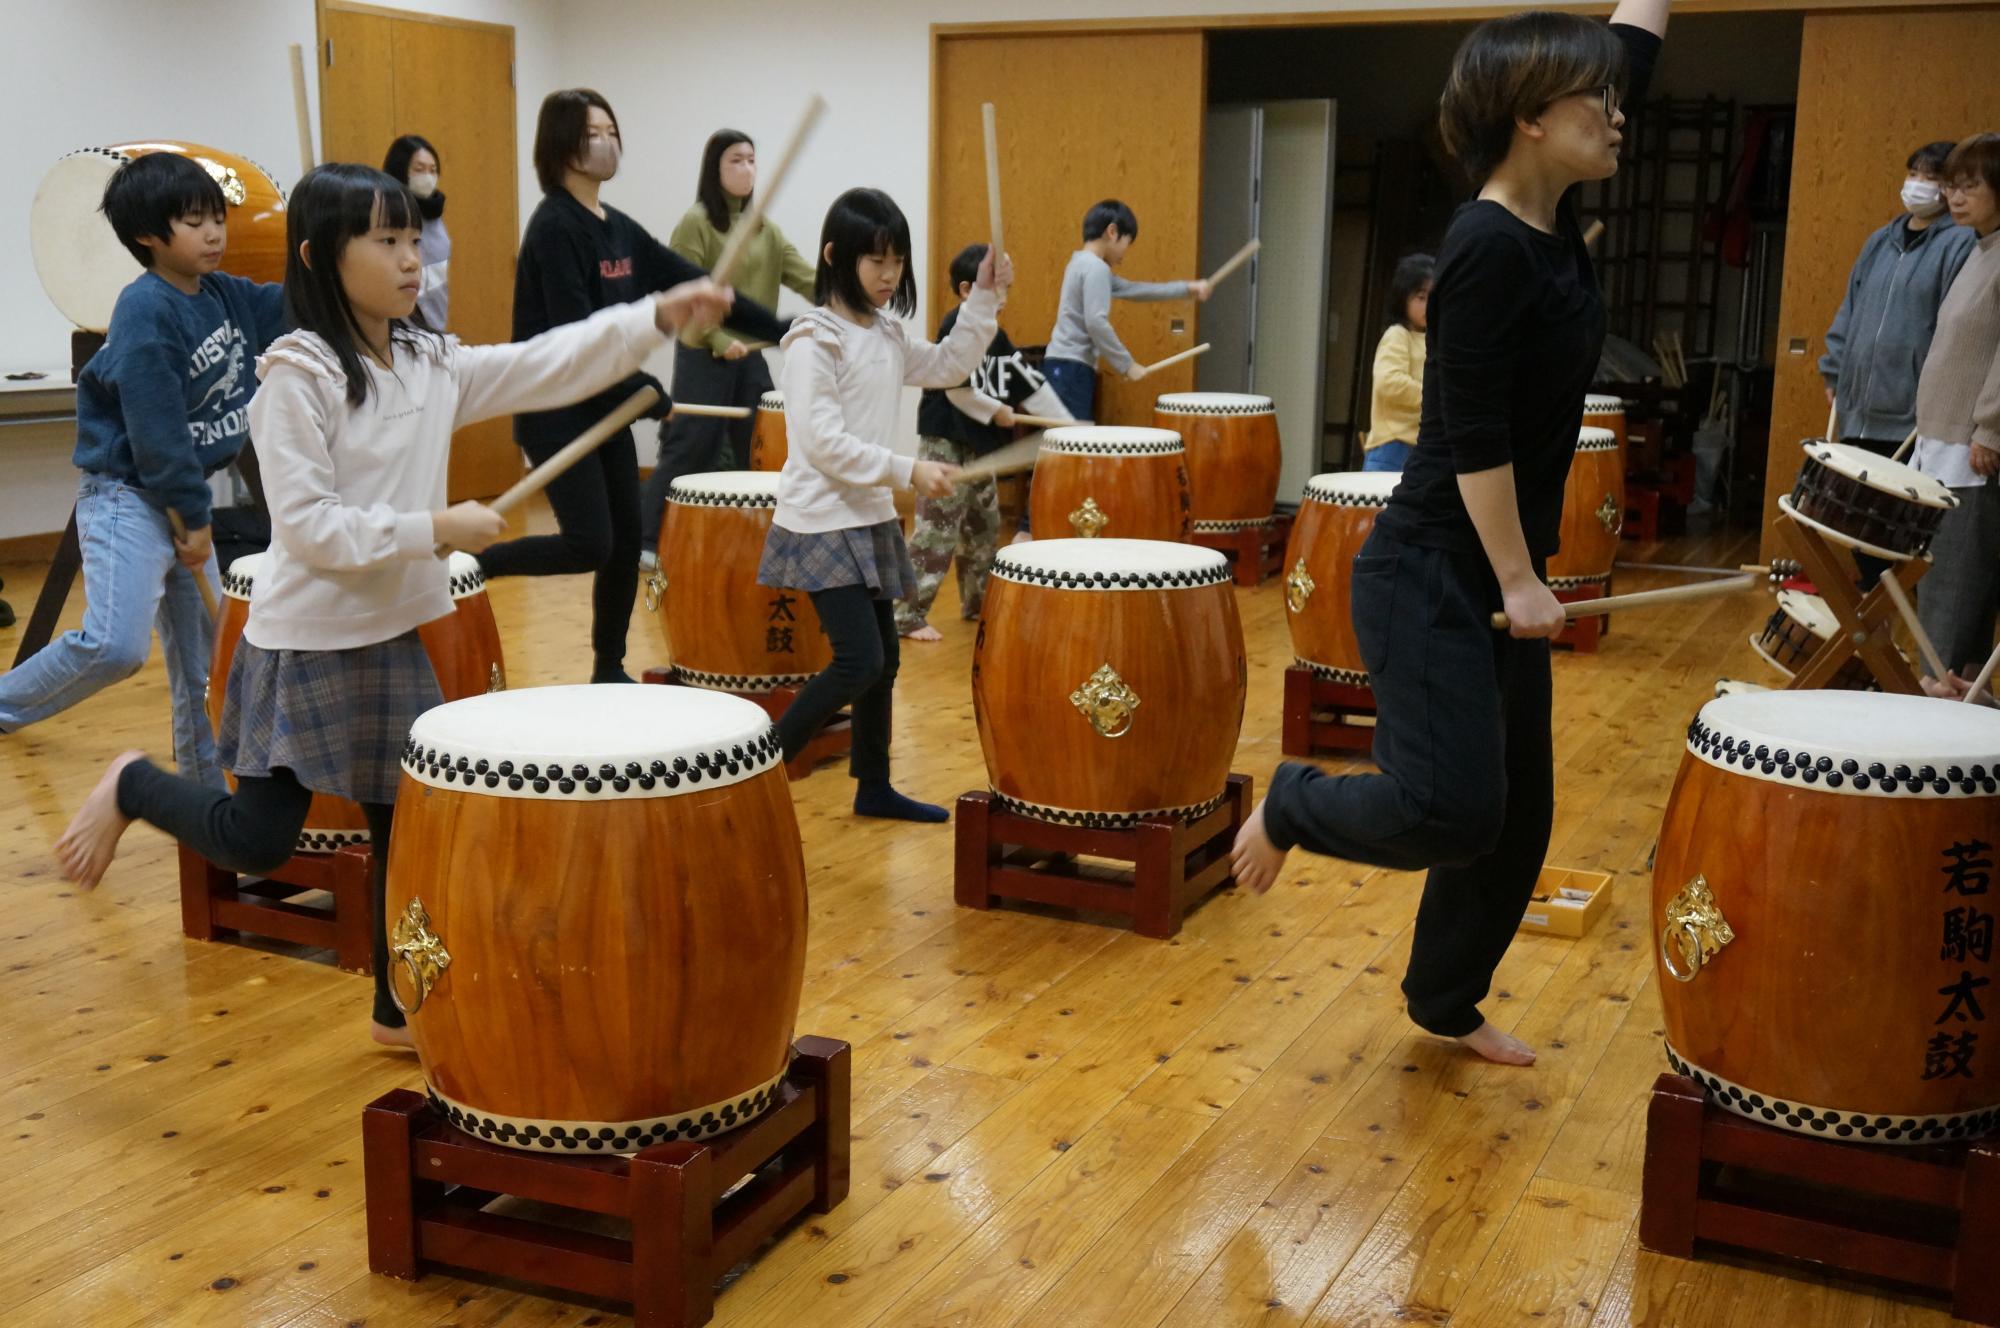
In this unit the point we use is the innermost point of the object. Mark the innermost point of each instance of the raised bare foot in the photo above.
(923, 633)
(1494, 1045)
(88, 845)
(391, 1037)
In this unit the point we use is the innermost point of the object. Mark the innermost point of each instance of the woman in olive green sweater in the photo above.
(718, 368)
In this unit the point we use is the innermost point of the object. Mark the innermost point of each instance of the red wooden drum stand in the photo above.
(1321, 715)
(1581, 635)
(216, 903)
(1256, 553)
(832, 742)
(429, 1187)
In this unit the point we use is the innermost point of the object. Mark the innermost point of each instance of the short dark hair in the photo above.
(397, 163)
(149, 193)
(1977, 157)
(1413, 273)
(714, 198)
(559, 130)
(965, 267)
(332, 205)
(1110, 213)
(1930, 157)
(863, 223)
(1513, 68)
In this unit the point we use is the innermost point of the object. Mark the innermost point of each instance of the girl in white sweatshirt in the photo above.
(352, 423)
(835, 535)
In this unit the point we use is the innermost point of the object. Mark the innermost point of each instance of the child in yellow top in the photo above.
(1397, 401)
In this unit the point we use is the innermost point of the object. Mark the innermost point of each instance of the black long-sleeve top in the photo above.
(1516, 326)
(574, 263)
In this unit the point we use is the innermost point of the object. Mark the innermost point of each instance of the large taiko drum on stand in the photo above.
(1593, 513)
(82, 265)
(769, 444)
(597, 914)
(1095, 480)
(723, 630)
(1867, 502)
(1333, 523)
(1233, 456)
(1108, 680)
(1821, 896)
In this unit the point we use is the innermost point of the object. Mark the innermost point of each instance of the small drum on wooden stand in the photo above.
(1327, 676)
(768, 445)
(1593, 516)
(1867, 502)
(1233, 458)
(1108, 683)
(1110, 481)
(553, 847)
(82, 265)
(1800, 625)
(1820, 906)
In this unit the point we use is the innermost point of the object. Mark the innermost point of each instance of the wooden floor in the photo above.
(1055, 1123)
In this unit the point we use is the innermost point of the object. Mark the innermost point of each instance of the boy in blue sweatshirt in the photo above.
(162, 406)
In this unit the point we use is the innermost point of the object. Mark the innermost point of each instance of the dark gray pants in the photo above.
(1958, 598)
(692, 445)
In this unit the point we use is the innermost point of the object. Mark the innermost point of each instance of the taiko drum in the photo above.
(768, 446)
(1593, 513)
(1233, 455)
(1333, 523)
(1105, 481)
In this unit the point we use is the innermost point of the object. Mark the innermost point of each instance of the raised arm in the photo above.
(561, 366)
(951, 362)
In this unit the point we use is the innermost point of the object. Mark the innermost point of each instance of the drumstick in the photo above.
(1012, 459)
(1985, 676)
(1590, 608)
(752, 220)
(1236, 260)
(178, 525)
(1894, 589)
(1046, 422)
(1832, 416)
(583, 445)
(301, 109)
(1593, 235)
(711, 412)
(987, 114)
(1904, 450)
(1172, 360)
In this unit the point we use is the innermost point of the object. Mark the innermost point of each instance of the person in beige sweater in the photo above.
(1958, 425)
(1396, 400)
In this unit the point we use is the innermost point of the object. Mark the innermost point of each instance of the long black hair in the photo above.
(401, 153)
(863, 223)
(1413, 273)
(332, 205)
(714, 198)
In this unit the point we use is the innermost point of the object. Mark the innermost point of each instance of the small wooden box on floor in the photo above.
(430, 1184)
(832, 742)
(1567, 901)
(216, 902)
(1927, 1216)
(1004, 855)
(1322, 715)
(1254, 552)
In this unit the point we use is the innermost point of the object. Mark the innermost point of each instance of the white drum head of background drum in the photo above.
(1808, 611)
(77, 255)
(1110, 440)
(1593, 439)
(1111, 564)
(1354, 488)
(1598, 404)
(240, 581)
(726, 488)
(1215, 403)
(771, 401)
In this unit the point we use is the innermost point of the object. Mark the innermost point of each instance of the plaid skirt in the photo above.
(337, 719)
(872, 556)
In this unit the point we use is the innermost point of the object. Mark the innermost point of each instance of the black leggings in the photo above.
(596, 504)
(254, 831)
(866, 654)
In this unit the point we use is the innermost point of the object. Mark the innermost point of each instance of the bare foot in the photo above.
(924, 633)
(391, 1037)
(87, 846)
(1021, 537)
(1494, 1045)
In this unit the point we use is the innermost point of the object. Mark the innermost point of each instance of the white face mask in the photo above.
(600, 158)
(423, 183)
(1922, 198)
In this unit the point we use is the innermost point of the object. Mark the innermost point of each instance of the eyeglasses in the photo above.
(1609, 94)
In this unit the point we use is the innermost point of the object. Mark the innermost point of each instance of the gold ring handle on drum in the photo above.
(1610, 515)
(422, 952)
(1107, 702)
(1088, 521)
(656, 589)
(1695, 921)
(1299, 587)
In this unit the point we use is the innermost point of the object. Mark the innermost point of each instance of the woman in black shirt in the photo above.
(580, 255)
(1516, 324)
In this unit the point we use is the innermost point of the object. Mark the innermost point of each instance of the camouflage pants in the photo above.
(965, 526)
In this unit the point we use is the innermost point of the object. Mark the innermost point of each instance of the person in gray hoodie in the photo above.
(1876, 347)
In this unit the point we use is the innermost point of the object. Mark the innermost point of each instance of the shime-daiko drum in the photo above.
(1867, 502)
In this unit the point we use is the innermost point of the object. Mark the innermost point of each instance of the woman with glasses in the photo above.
(1530, 110)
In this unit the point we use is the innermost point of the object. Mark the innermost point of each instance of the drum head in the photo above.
(1214, 403)
(591, 742)
(1111, 564)
(726, 488)
(1596, 403)
(1808, 611)
(1858, 742)
(1590, 439)
(240, 581)
(1357, 488)
(1110, 440)
(1879, 472)
(77, 255)
(771, 401)
(467, 576)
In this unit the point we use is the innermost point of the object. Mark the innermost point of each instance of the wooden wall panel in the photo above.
(1858, 121)
(1081, 118)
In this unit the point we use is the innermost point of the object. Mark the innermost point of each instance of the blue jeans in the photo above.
(132, 584)
(1392, 455)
